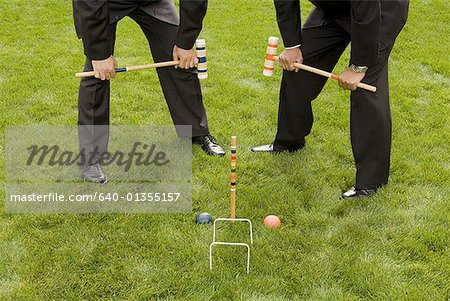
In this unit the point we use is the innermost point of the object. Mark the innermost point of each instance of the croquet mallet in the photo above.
(271, 57)
(201, 66)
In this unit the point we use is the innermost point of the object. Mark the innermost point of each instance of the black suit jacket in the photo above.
(365, 24)
(192, 13)
(92, 19)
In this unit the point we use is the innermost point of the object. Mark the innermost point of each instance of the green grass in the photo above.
(395, 246)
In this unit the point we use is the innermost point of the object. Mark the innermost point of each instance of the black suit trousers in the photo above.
(181, 87)
(370, 116)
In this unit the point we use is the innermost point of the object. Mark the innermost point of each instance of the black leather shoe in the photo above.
(354, 193)
(94, 173)
(269, 148)
(209, 145)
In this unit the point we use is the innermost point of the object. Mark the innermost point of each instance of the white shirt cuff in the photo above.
(293, 47)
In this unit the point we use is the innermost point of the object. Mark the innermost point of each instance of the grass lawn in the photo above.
(395, 246)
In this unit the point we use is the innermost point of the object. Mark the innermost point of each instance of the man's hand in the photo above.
(289, 57)
(105, 69)
(349, 79)
(188, 58)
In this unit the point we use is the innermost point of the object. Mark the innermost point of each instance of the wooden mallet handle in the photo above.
(330, 75)
(133, 68)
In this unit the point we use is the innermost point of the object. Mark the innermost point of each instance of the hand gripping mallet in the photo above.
(201, 66)
(271, 57)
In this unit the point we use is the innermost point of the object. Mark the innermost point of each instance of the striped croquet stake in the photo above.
(202, 67)
(269, 63)
(232, 217)
(233, 178)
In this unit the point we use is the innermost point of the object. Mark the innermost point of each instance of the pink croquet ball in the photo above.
(272, 221)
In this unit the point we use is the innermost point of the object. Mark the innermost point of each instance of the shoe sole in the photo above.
(95, 182)
(357, 197)
(276, 152)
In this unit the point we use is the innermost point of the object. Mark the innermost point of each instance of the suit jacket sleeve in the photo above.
(192, 13)
(365, 31)
(92, 24)
(289, 22)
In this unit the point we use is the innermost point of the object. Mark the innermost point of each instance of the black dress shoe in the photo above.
(94, 173)
(354, 193)
(209, 145)
(269, 148)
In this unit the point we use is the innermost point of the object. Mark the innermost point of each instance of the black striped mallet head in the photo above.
(202, 66)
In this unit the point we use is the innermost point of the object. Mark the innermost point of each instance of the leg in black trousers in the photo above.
(181, 87)
(322, 46)
(371, 127)
(93, 111)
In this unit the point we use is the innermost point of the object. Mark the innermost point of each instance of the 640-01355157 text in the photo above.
(141, 196)
(97, 197)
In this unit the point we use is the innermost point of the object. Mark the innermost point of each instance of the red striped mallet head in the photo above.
(202, 67)
(272, 49)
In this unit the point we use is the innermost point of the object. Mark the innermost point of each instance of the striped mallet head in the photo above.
(202, 67)
(272, 49)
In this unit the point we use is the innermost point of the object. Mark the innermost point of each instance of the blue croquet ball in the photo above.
(203, 218)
